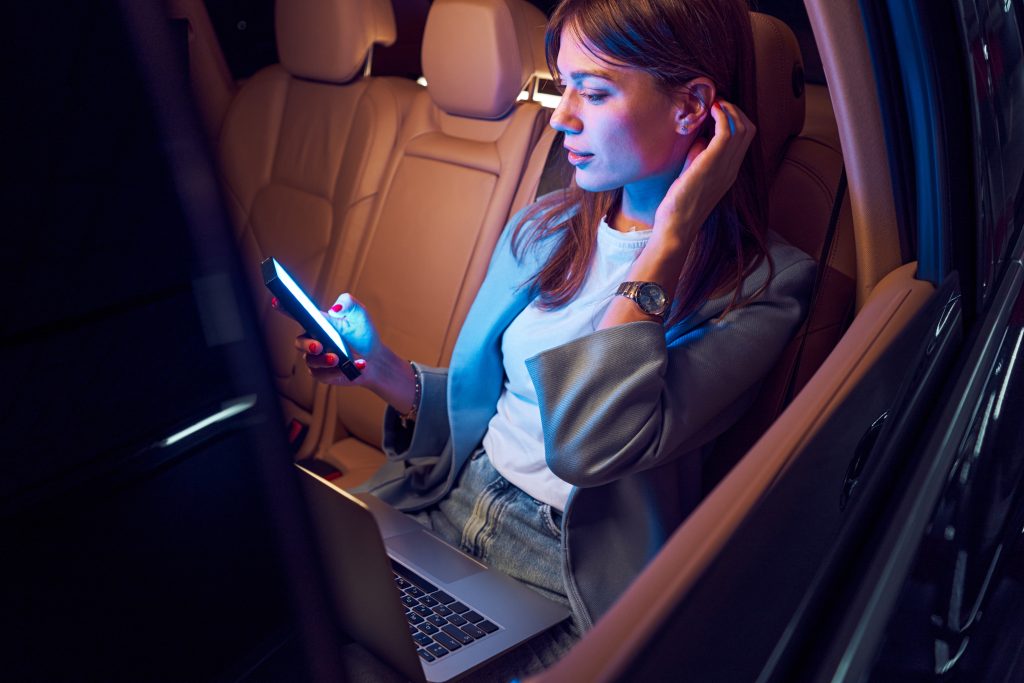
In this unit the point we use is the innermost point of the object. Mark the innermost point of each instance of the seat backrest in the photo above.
(303, 150)
(809, 208)
(448, 188)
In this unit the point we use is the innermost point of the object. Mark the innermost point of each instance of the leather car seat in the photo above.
(303, 151)
(809, 207)
(445, 198)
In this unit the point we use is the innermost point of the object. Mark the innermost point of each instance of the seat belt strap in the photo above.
(826, 248)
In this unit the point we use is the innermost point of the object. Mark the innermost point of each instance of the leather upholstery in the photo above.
(804, 168)
(445, 198)
(802, 196)
(302, 162)
(780, 86)
(478, 54)
(328, 40)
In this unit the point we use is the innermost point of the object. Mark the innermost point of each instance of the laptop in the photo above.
(427, 609)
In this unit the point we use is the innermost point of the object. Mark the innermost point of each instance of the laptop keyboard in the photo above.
(439, 624)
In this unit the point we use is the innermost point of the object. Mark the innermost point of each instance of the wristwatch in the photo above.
(649, 296)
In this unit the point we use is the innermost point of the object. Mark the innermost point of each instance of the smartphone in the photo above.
(298, 304)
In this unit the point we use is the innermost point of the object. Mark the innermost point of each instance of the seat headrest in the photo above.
(328, 40)
(478, 54)
(780, 86)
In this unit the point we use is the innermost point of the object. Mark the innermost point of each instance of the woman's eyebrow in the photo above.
(580, 75)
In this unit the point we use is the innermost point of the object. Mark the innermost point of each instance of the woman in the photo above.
(623, 323)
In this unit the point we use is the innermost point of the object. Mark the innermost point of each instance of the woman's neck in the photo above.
(640, 202)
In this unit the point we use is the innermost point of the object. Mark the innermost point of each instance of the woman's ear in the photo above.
(693, 104)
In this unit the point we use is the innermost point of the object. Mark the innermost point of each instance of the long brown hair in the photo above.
(674, 41)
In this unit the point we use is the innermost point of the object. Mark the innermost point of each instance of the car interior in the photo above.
(389, 143)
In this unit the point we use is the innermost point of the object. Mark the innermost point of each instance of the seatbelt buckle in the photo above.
(297, 432)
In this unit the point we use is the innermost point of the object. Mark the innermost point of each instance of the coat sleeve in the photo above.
(631, 397)
(430, 432)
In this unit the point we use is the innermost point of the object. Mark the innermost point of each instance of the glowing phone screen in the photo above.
(310, 307)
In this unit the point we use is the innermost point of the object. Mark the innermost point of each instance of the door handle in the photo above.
(860, 457)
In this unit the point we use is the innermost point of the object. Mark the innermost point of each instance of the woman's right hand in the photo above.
(381, 370)
(353, 323)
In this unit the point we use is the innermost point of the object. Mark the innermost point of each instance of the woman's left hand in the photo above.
(709, 171)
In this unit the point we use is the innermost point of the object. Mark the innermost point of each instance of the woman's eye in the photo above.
(593, 97)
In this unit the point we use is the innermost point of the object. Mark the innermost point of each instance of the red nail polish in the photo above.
(274, 303)
(337, 307)
(331, 359)
(359, 363)
(314, 347)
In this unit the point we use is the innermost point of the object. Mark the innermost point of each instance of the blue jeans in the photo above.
(491, 519)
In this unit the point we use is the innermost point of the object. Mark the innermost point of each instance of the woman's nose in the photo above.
(563, 119)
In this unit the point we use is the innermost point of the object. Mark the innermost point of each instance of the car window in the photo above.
(992, 37)
(959, 568)
(245, 30)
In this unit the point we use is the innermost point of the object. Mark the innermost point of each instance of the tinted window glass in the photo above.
(993, 44)
(245, 29)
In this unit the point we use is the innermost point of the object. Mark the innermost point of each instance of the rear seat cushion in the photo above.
(445, 200)
(298, 159)
(303, 156)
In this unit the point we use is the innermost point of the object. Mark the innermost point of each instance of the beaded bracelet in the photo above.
(411, 415)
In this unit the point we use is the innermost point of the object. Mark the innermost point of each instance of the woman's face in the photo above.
(620, 128)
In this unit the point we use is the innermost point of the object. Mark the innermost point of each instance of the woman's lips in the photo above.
(576, 157)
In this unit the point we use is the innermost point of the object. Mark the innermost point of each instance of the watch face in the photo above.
(652, 298)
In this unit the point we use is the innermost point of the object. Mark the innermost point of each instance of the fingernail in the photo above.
(314, 347)
(359, 363)
(331, 359)
(274, 303)
(337, 307)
